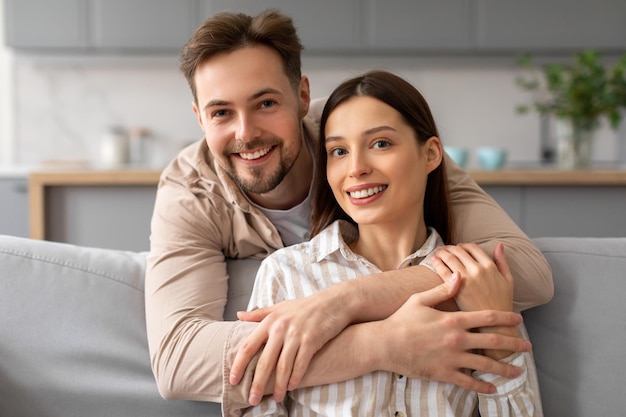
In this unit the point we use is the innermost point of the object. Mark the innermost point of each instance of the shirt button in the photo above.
(399, 414)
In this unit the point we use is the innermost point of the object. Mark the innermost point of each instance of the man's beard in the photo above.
(255, 183)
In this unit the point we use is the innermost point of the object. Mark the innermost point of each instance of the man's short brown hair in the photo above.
(227, 32)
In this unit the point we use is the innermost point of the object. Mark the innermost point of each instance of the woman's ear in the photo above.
(434, 153)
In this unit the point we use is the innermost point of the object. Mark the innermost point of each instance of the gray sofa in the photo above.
(73, 339)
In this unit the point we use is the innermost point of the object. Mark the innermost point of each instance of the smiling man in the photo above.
(243, 191)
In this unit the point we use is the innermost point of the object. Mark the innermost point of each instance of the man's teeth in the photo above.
(368, 192)
(256, 154)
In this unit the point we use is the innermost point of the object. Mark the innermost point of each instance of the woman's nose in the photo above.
(358, 165)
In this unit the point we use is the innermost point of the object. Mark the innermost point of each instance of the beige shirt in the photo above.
(327, 260)
(200, 217)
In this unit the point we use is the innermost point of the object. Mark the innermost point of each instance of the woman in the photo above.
(381, 202)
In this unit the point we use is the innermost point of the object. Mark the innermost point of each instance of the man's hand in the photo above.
(292, 332)
(425, 343)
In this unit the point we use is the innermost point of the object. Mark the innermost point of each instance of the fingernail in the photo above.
(454, 277)
(233, 378)
(254, 399)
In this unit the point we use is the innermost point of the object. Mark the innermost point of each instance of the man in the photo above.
(242, 192)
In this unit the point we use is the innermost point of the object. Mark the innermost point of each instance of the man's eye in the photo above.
(267, 103)
(219, 113)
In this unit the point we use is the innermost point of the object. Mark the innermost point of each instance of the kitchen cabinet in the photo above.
(426, 25)
(328, 26)
(141, 24)
(14, 203)
(114, 217)
(323, 25)
(100, 25)
(550, 25)
(106, 209)
(566, 211)
(45, 24)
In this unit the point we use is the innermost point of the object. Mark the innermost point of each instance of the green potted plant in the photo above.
(578, 96)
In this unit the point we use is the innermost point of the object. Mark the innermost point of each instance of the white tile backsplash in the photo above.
(64, 104)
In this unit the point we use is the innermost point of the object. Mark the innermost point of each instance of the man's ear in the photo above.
(198, 114)
(304, 95)
(434, 153)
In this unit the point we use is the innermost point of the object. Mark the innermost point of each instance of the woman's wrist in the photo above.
(505, 331)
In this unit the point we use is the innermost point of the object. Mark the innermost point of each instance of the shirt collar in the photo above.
(337, 237)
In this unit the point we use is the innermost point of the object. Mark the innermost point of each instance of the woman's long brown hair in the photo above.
(409, 102)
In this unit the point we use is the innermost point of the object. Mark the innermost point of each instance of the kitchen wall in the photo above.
(6, 99)
(58, 107)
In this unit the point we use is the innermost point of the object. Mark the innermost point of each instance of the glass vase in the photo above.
(574, 145)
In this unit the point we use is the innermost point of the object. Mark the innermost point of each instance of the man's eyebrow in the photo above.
(263, 92)
(369, 131)
(252, 97)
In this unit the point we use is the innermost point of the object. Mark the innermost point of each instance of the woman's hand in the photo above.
(487, 284)
(292, 332)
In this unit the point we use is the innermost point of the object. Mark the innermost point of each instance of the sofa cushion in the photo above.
(73, 335)
(578, 338)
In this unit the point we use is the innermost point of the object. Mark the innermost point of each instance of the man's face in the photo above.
(251, 115)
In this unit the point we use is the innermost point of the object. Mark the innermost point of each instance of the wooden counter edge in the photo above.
(550, 177)
(39, 180)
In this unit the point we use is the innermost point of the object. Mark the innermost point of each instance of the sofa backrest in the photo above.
(579, 337)
(73, 337)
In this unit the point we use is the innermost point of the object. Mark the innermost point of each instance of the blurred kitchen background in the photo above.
(70, 70)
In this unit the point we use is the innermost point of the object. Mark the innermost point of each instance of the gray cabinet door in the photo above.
(14, 207)
(551, 25)
(575, 211)
(425, 25)
(45, 24)
(142, 24)
(115, 217)
(323, 25)
(511, 199)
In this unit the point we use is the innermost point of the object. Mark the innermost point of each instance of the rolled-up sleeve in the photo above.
(513, 397)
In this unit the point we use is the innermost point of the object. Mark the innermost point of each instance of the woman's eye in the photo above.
(381, 144)
(337, 152)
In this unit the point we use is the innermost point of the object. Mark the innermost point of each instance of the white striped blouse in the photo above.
(303, 269)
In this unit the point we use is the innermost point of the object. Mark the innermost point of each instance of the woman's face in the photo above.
(376, 168)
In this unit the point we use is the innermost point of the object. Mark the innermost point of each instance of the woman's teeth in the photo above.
(367, 192)
(256, 154)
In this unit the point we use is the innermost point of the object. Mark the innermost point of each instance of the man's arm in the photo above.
(185, 293)
(479, 219)
(294, 334)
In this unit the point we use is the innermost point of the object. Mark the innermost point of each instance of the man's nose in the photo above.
(247, 129)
